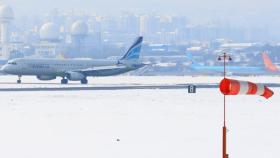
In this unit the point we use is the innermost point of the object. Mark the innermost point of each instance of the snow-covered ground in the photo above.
(148, 123)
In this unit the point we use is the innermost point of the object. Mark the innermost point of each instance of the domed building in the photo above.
(79, 28)
(49, 32)
(50, 44)
(79, 32)
(6, 13)
(84, 42)
(6, 17)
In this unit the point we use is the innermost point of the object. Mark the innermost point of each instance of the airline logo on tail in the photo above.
(134, 51)
(268, 63)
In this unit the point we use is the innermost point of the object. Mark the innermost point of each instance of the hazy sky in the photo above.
(196, 8)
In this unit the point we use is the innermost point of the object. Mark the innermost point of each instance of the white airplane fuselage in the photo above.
(52, 67)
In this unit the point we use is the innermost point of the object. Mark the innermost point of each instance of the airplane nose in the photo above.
(4, 68)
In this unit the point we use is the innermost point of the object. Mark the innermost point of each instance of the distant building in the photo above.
(143, 28)
(79, 32)
(6, 17)
(50, 44)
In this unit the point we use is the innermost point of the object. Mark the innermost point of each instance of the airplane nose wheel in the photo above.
(64, 81)
(19, 80)
(84, 81)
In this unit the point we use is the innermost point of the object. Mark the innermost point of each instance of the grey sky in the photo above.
(196, 8)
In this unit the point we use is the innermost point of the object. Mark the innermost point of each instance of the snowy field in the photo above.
(149, 123)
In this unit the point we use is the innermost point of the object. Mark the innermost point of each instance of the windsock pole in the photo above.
(236, 87)
(225, 155)
(224, 127)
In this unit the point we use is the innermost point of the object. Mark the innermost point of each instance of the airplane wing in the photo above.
(104, 70)
(107, 70)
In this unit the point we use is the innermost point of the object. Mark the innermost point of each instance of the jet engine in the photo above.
(75, 76)
(46, 77)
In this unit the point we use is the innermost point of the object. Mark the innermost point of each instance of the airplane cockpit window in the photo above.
(12, 63)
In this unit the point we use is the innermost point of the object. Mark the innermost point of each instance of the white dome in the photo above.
(79, 28)
(49, 31)
(6, 12)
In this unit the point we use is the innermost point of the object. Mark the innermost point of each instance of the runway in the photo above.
(74, 87)
(8, 83)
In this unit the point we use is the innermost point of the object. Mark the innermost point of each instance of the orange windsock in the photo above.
(236, 87)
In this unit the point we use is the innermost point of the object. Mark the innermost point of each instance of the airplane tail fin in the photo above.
(134, 51)
(268, 63)
(190, 57)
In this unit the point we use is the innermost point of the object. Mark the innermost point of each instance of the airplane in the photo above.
(268, 68)
(75, 69)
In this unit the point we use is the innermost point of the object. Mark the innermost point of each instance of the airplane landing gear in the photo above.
(64, 81)
(84, 81)
(19, 80)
